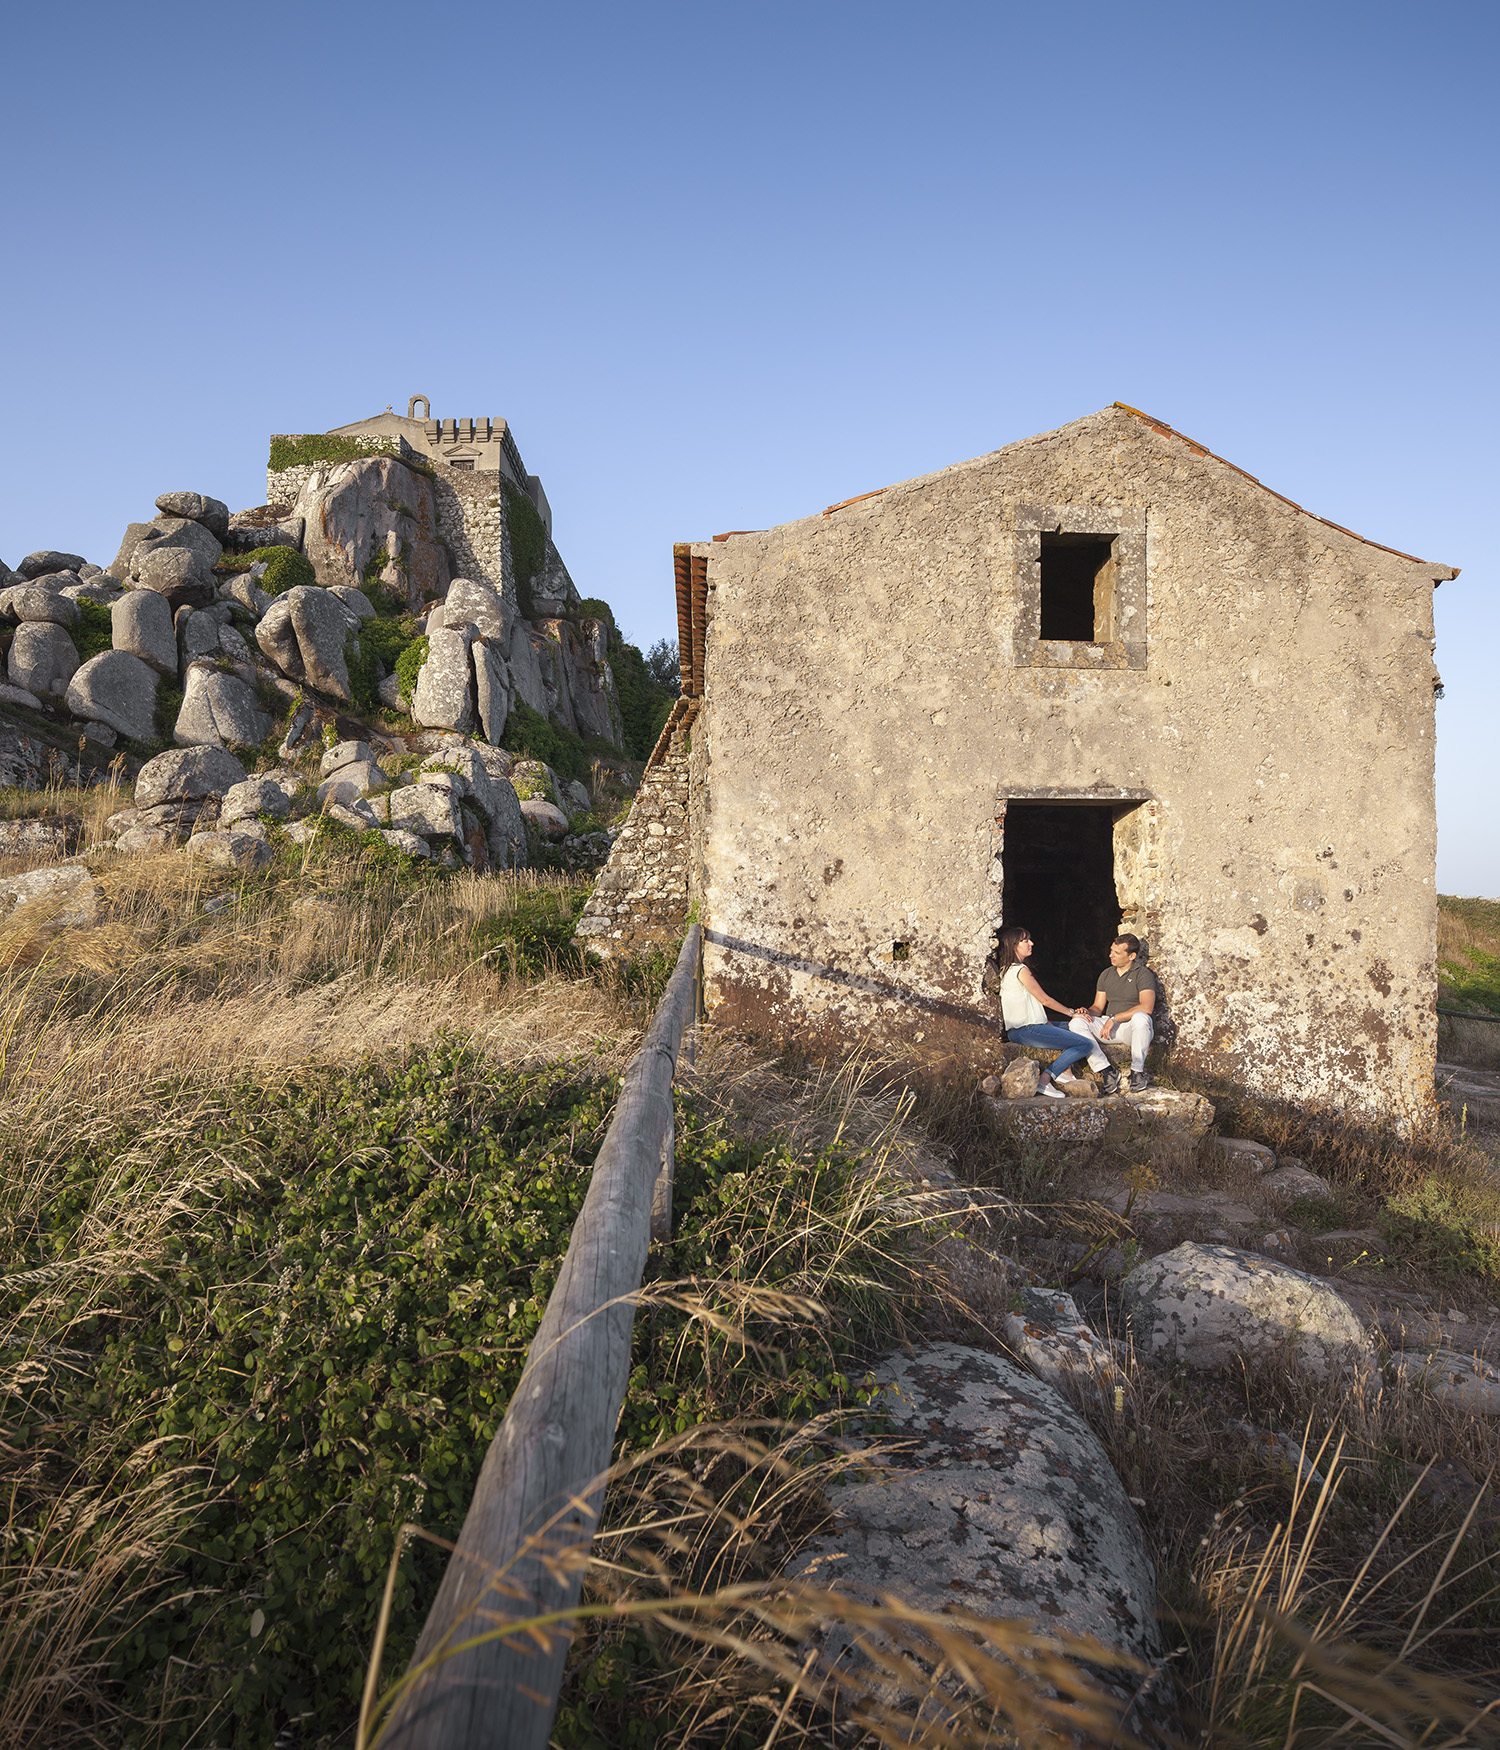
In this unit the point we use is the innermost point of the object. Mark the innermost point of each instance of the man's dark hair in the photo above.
(1133, 943)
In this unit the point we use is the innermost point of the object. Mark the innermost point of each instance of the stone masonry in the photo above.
(640, 901)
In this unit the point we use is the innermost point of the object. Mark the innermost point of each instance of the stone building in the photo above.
(1101, 678)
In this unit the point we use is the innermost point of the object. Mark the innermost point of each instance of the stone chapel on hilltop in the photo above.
(1098, 679)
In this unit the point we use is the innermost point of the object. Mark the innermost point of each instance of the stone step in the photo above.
(1115, 1118)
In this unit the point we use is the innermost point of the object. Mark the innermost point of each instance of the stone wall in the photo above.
(879, 697)
(640, 901)
(284, 485)
(471, 522)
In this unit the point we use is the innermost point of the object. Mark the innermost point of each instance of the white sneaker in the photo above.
(1052, 1093)
(1066, 1077)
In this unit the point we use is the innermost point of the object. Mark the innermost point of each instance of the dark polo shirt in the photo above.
(1122, 990)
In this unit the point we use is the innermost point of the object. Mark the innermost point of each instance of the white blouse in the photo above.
(1019, 1007)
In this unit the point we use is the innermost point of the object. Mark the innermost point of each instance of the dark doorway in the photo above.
(1059, 881)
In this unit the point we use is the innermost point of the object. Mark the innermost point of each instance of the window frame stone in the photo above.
(1128, 530)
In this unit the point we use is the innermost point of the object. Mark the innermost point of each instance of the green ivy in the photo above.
(94, 633)
(408, 662)
(351, 1265)
(168, 705)
(528, 733)
(528, 544)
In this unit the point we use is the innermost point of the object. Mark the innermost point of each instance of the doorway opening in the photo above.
(1058, 879)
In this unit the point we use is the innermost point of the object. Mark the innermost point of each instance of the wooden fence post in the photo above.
(521, 1551)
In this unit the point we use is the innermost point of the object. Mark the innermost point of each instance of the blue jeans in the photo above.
(1073, 1048)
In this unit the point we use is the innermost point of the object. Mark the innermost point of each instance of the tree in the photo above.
(663, 665)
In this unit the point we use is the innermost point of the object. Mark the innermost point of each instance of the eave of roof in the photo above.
(1161, 426)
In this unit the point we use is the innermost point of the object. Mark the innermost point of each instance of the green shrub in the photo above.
(592, 608)
(94, 633)
(408, 662)
(528, 733)
(1426, 1226)
(644, 703)
(285, 568)
(345, 1269)
(528, 544)
(168, 704)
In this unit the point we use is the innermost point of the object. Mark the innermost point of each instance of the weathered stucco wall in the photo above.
(875, 692)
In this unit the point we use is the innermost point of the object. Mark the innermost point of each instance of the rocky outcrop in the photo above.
(48, 560)
(43, 658)
(1211, 1307)
(219, 710)
(63, 896)
(187, 775)
(118, 689)
(195, 507)
(141, 622)
(356, 511)
(444, 693)
(305, 633)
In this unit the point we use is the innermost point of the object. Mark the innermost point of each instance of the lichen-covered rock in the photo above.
(187, 774)
(406, 841)
(493, 688)
(348, 783)
(48, 559)
(305, 632)
(354, 600)
(234, 850)
(197, 638)
(1005, 1506)
(1465, 1381)
(479, 605)
(34, 603)
(141, 622)
(357, 510)
(1213, 1306)
(57, 837)
(254, 797)
(43, 658)
(1050, 1336)
(345, 753)
(64, 896)
(219, 710)
(213, 514)
(116, 688)
(425, 810)
(1019, 1080)
(444, 693)
(547, 817)
(525, 669)
(1290, 1183)
(180, 534)
(10, 695)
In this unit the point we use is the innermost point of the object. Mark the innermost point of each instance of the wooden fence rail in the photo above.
(539, 1492)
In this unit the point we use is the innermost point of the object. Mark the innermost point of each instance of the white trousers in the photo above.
(1137, 1029)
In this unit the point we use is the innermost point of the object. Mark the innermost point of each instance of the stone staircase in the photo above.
(640, 901)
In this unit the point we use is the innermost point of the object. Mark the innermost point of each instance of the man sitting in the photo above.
(1123, 1004)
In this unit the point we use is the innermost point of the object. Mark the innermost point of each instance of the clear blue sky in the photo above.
(722, 266)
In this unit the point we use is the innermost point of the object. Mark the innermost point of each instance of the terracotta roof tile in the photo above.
(1160, 425)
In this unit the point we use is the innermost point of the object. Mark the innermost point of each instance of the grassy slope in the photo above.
(1469, 953)
(284, 1185)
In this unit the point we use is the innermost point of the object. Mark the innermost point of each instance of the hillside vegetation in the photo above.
(288, 1161)
(1469, 953)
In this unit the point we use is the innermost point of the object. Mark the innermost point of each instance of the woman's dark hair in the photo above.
(1005, 954)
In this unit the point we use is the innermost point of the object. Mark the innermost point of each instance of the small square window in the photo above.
(1078, 588)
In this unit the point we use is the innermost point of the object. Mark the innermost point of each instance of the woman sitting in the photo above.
(1024, 1005)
